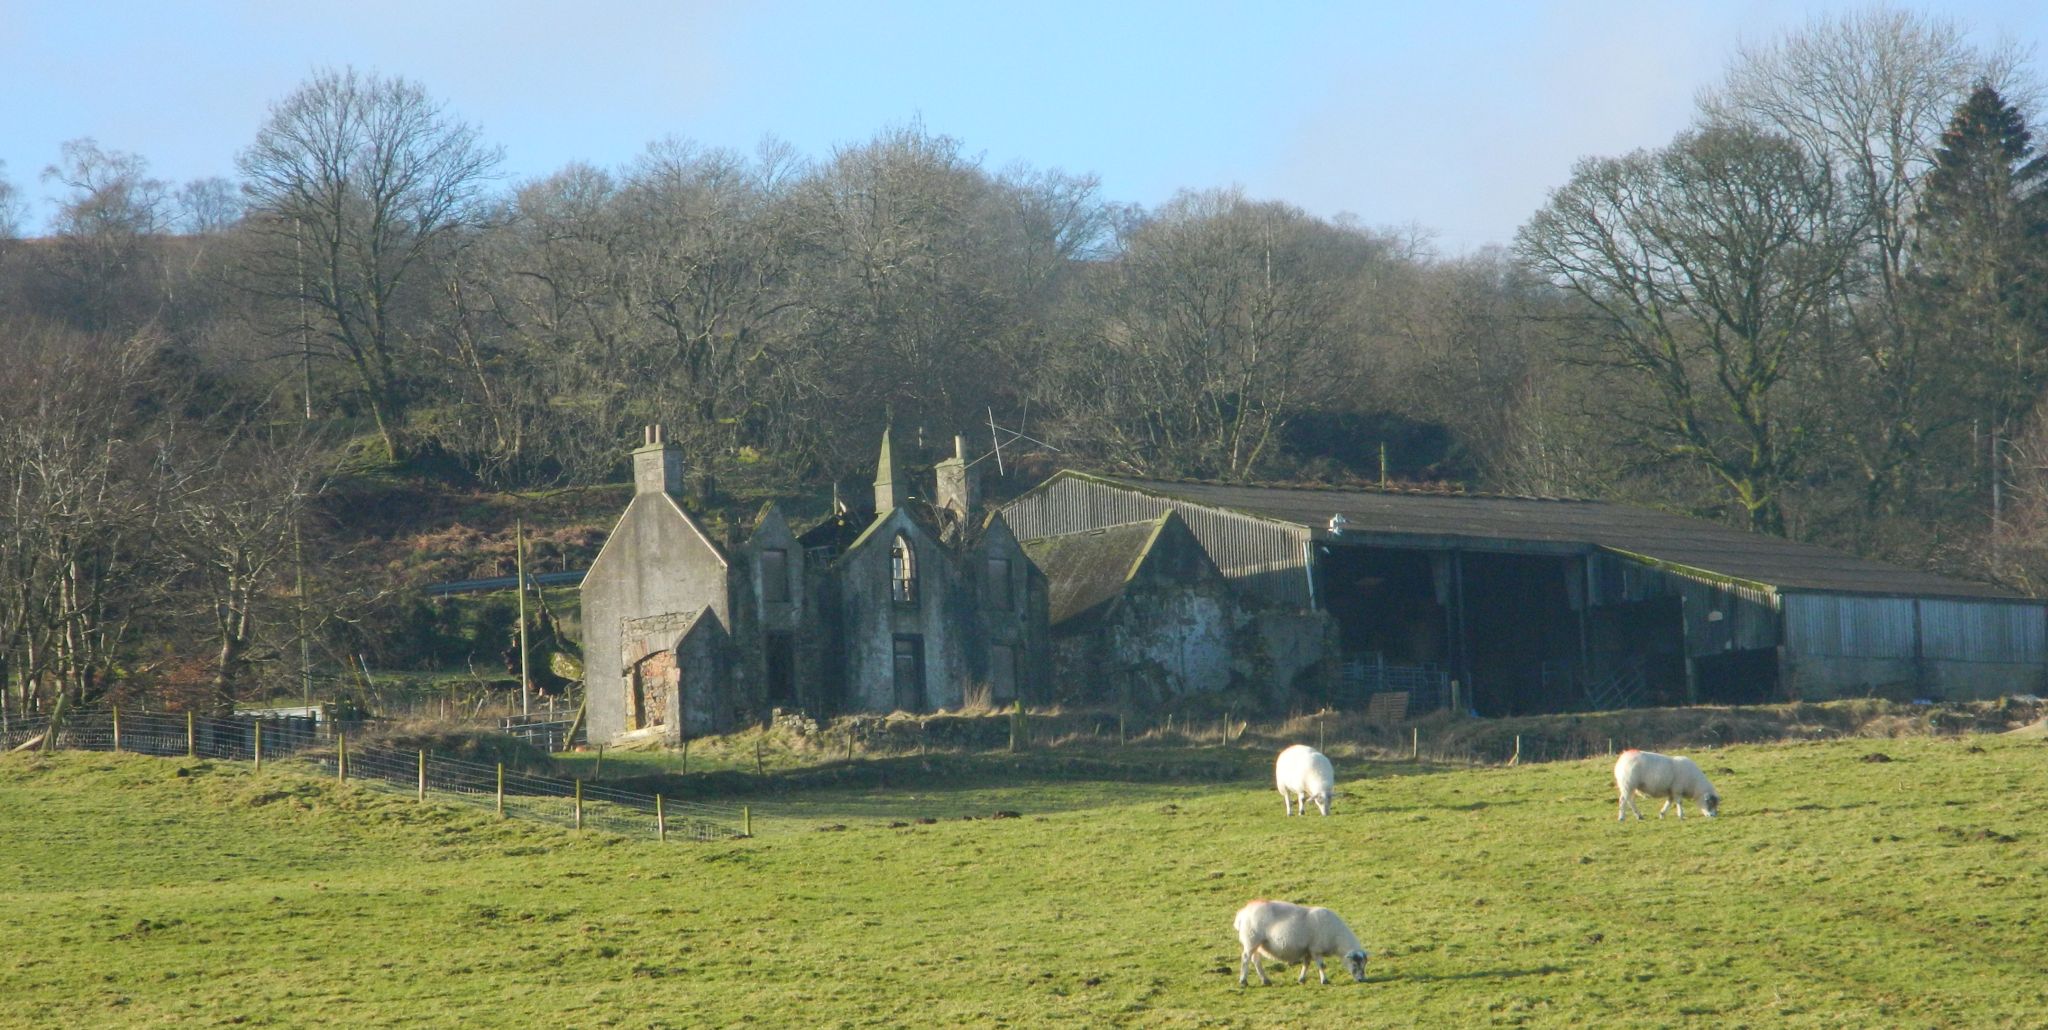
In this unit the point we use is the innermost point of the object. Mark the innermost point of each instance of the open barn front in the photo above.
(1504, 627)
(1522, 633)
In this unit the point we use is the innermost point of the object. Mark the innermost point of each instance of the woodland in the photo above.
(230, 407)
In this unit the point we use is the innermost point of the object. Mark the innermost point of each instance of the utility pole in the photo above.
(305, 649)
(525, 681)
(305, 346)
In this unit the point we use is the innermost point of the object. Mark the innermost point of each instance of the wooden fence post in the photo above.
(341, 757)
(423, 774)
(660, 821)
(746, 821)
(1121, 739)
(598, 773)
(579, 804)
(191, 739)
(757, 758)
(258, 724)
(1415, 743)
(1517, 759)
(501, 790)
(1319, 733)
(117, 729)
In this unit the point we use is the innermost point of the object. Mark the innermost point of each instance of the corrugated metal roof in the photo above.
(1472, 520)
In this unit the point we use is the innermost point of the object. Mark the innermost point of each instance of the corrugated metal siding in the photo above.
(1849, 627)
(1264, 557)
(2011, 632)
(1749, 616)
(1982, 632)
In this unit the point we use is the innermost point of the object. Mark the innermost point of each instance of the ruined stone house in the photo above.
(916, 605)
(1142, 617)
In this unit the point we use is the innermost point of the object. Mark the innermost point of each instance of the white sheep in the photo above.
(1662, 776)
(1286, 932)
(1303, 775)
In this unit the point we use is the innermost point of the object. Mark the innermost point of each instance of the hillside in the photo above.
(1838, 888)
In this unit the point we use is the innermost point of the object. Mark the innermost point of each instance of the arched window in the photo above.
(903, 571)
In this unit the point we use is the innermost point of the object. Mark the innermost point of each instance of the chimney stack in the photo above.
(657, 465)
(956, 486)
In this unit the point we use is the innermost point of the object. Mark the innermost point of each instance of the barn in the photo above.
(1518, 605)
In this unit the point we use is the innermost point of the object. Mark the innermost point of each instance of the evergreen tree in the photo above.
(1981, 259)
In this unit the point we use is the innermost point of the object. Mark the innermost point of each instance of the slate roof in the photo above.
(1086, 572)
(1472, 519)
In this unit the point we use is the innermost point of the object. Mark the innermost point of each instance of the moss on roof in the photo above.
(1086, 572)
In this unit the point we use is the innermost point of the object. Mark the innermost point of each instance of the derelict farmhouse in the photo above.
(1092, 589)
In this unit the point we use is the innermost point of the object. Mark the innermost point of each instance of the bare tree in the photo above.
(82, 455)
(1869, 93)
(1703, 271)
(236, 518)
(356, 183)
(110, 230)
(10, 206)
(1220, 318)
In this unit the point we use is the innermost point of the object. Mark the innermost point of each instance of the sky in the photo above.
(1455, 117)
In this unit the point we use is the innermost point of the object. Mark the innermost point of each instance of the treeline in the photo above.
(1822, 311)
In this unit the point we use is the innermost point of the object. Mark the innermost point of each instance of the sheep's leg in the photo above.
(1303, 978)
(1679, 800)
(1666, 807)
(1321, 973)
(1251, 961)
(1628, 804)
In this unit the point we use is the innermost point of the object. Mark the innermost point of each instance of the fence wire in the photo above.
(510, 793)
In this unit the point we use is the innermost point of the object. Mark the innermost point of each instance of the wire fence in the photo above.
(306, 742)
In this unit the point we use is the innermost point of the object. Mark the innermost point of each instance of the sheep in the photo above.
(1303, 774)
(1662, 776)
(1286, 932)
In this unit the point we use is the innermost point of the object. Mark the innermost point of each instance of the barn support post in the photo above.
(1585, 623)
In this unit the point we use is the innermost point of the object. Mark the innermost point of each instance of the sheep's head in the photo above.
(1711, 805)
(1356, 963)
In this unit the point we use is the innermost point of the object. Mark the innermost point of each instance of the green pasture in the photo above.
(1836, 890)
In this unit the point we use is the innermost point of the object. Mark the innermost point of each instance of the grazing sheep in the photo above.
(1286, 932)
(1662, 776)
(1303, 775)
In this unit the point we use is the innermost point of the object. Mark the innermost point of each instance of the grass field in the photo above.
(1834, 890)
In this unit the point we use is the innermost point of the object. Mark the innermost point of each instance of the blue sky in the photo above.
(1457, 117)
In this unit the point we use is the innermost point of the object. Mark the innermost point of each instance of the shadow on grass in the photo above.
(957, 784)
(1476, 974)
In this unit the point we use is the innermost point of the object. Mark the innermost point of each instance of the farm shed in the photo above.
(1517, 605)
